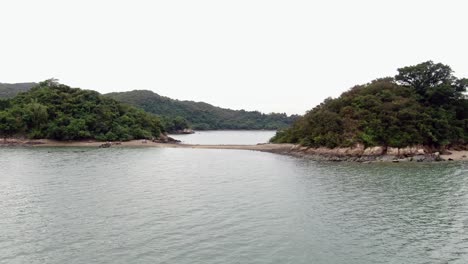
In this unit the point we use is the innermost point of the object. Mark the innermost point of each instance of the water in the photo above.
(154, 205)
(234, 137)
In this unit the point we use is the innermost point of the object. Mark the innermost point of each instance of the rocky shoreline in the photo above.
(355, 154)
(376, 154)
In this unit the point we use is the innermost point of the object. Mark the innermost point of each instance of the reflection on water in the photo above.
(63, 205)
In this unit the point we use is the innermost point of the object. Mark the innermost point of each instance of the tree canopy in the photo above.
(424, 104)
(177, 115)
(56, 111)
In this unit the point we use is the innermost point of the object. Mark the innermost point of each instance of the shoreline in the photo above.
(359, 154)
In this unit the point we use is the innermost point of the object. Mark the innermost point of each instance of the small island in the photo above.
(55, 111)
(423, 110)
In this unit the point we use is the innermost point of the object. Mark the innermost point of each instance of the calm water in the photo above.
(235, 137)
(144, 205)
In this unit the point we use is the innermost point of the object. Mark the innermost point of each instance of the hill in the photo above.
(55, 111)
(203, 116)
(422, 105)
(10, 90)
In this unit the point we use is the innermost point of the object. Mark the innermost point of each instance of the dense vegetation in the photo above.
(56, 111)
(202, 116)
(10, 90)
(422, 105)
(177, 115)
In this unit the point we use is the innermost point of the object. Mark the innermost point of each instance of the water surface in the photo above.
(152, 205)
(227, 137)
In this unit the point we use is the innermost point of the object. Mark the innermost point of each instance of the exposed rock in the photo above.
(393, 151)
(360, 154)
(373, 151)
(338, 152)
(357, 150)
(163, 138)
(408, 151)
(419, 158)
(184, 131)
(106, 145)
(303, 148)
(294, 147)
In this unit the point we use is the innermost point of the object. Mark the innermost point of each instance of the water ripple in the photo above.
(220, 206)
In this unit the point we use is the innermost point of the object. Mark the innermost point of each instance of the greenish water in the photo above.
(150, 205)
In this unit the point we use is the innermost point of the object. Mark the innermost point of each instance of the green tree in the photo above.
(435, 82)
(8, 125)
(36, 114)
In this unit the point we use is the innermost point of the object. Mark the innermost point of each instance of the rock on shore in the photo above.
(378, 153)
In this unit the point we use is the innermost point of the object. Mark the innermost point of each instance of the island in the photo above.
(422, 110)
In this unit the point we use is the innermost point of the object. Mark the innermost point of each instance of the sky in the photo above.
(271, 56)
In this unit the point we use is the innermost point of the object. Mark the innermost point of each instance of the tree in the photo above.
(435, 82)
(8, 125)
(36, 113)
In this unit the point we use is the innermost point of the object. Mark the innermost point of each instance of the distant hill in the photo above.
(10, 90)
(203, 116)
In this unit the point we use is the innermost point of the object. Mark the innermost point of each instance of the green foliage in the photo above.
(178, 115)
(199, 115)
(56, 111)
(424, 104)
(175, 124)
(435, 83)
(9, 125)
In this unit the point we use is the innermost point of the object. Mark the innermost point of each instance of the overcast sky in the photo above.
(282, 56)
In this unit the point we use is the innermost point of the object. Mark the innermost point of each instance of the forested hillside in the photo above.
(424, 104)
(56, 111)
(202, 116)
(178, 115)
(10, 90)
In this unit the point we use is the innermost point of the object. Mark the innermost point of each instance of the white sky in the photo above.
(282, 56)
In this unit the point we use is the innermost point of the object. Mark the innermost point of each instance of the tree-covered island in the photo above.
(55, 111)
(423, 104)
